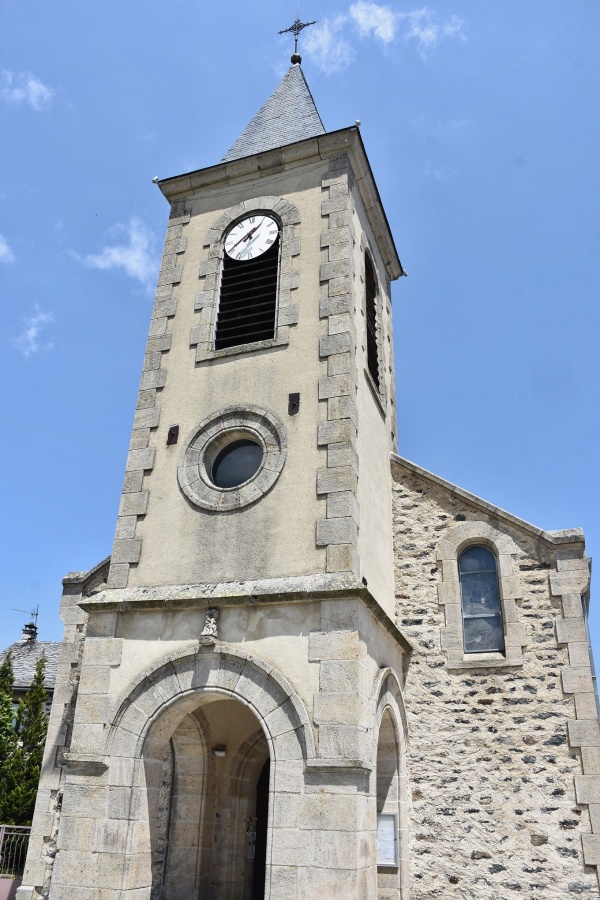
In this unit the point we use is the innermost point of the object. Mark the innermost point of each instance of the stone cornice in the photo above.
(272, 590)
(346, 140)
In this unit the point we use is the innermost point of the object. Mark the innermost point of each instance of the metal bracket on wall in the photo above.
(293, 404)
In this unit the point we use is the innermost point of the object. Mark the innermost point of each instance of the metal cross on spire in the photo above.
(295, 29)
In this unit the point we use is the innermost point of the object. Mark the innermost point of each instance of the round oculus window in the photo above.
(236, 463)
(232, 458)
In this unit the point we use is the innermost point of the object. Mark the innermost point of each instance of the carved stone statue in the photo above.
(210, 634)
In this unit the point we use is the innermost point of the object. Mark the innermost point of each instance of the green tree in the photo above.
(8, 736)
(7, 676)
(8, 745)
(21, 772)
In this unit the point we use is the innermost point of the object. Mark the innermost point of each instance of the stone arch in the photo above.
(390, 778)
(460, 536)
(180, 676)
(504, 548)
(165, 701)
(285, 210)
(207, 300)
(388, 691)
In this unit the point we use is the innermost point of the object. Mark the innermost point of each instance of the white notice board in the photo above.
(387, 839)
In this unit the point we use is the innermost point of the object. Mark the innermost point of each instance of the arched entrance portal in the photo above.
(206, 762)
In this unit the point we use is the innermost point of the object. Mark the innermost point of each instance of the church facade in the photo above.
(309, 667)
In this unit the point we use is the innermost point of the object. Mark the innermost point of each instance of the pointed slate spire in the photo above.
(289, 115)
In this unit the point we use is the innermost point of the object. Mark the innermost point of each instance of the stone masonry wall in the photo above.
(491, 770)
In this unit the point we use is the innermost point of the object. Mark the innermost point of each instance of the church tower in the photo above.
(271, 336)
(231, 721)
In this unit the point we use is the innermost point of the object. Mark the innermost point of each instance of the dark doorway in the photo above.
(262, 819)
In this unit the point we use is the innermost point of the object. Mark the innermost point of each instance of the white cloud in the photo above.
(425, 27)
(6, 254)
(135, 253)
(370, 18)
(23, 87)
(440, 174)
(29, 342)
(326, 48)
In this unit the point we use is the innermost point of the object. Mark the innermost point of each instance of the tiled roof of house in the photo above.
(24, 656)
(289, 115)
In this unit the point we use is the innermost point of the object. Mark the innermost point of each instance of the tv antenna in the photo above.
(34, 613)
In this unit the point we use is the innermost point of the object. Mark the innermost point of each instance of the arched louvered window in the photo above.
(371, 315)
(249, 280)
(480, 596)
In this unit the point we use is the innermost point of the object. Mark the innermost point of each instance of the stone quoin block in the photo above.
(343, 504)
(134, 504)
(342, 455)
(340, 478)
(584, 733)
(336, 531)
(147, 418)
(336, 432)
(587, 789)
(127, 551)
(341, 645)
(577, 681)
(570, 630)
(140, 459)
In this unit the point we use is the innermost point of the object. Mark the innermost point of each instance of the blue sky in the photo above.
(481, 124)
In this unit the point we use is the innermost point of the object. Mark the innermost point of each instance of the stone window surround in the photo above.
(235, 421)
(449, 596)
(207, 301)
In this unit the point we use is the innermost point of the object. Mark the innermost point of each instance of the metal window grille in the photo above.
(371, 314)
(13, 849)
(248, 300)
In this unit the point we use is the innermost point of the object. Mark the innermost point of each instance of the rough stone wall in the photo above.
(490, 766)
(45, 831)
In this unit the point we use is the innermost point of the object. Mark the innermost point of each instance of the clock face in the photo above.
(251, 237)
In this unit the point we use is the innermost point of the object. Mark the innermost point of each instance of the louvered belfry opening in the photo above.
(371, 311)
(248, 300)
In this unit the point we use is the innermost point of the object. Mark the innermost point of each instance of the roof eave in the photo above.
(567, 536)
(322, 146)
(75, 578)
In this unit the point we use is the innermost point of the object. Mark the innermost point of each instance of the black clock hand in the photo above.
(247, 247)
(246, 237)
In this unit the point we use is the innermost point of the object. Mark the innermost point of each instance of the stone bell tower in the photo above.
(307, 368)
(230, 723)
